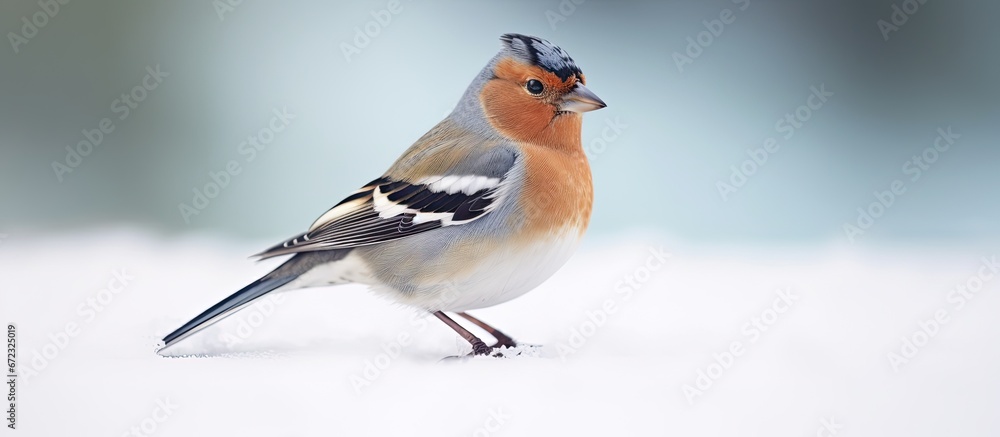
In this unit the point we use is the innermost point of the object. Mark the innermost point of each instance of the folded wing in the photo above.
(386, 209)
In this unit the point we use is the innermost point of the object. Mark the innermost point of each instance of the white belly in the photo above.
(459, 284)
(498, 277)
(488, 279)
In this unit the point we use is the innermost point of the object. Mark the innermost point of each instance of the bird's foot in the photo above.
(480, 348)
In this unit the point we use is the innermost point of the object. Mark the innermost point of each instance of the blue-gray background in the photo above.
(682, 129)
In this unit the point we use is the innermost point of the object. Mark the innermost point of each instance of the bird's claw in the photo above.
(480, 348)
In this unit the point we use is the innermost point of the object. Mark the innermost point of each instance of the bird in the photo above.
(481, 209)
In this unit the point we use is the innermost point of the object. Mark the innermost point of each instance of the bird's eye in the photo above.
(534, 87)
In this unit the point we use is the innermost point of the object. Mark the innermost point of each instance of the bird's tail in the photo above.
(287, 272)
(225, 308)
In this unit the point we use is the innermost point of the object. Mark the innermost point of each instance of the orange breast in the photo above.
(558, 192)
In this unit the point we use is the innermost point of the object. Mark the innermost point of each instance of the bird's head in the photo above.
(532, 91)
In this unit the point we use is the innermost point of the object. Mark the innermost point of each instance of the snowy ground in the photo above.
(718, 341)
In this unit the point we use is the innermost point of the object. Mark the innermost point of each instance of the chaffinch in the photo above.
(480, 210)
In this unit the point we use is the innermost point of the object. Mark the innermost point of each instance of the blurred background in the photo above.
(691, 87)
(163, 141)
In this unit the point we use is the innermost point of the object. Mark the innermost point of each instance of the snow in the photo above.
(296, 364)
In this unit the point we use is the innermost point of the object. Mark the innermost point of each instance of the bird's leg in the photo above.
(478, 347)
(503, 340)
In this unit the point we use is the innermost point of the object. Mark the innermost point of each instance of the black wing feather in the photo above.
(364, 226)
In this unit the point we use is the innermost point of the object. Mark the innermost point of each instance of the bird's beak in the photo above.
(581, 99)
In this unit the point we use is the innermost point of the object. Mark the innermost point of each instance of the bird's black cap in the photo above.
(537, 51)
